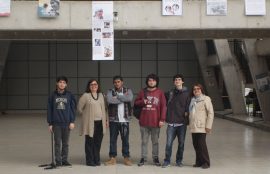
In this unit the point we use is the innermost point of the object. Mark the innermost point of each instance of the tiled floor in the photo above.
(254, 121)
(234, 149)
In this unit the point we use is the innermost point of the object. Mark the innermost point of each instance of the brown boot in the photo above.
(112, 161)
(127, 162)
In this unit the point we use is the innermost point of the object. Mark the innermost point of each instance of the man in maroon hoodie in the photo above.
(152, 117)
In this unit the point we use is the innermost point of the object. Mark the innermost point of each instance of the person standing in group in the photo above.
(152, 117)
(201, 119)
(119, 107)
(92, 107)
(178, 100)
(60, 117)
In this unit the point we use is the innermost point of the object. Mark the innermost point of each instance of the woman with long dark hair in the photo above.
(92, 108)
(201, 116)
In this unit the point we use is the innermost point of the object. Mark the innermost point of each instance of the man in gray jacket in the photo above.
(119, 108)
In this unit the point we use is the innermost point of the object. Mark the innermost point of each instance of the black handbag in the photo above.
(138, 109)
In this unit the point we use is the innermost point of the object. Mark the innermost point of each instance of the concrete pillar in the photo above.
(262, 47)
(4, 47)
(208, 74)
(231, 76)
(257, 67)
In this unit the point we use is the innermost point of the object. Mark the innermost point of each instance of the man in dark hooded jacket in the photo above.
(177, 118)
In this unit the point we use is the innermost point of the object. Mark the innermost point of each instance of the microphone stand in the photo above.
(52, 164)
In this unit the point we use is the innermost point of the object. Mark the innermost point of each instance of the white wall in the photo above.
(133, 15)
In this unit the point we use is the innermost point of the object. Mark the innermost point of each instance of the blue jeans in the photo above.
(115, 129)
(172, 132)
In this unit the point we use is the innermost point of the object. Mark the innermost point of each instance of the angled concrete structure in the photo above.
(258, 66)
(208, 74)
(231, 77)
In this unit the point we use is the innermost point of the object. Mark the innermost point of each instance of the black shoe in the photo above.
(97, 164)
(91, 164)
(156, 162)
(179, 164)
(205, 166)
(66, 163)
(166, 164)
(58, 165)
(196, 165)
(141, 163)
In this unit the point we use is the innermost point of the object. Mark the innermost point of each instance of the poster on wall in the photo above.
(216, 7)
(263, 82)
(102, 30)
(4, 7)
(255, 7)
(48, 8)
(172, 7)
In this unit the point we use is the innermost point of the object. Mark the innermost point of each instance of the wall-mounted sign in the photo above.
(4, 7)
(102, 30)
(255, 7)
(48, 8)
(216, 7)
(263, 82)
(172, 7)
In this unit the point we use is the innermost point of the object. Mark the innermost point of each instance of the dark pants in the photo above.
(61, 141)
(93, 145)
(199, 143)
(180, 133)
(115, 129)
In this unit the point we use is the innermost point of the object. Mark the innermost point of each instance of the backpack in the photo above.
(138, 109)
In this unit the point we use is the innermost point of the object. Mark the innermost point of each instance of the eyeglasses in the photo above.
(196, 89)
(93, 84)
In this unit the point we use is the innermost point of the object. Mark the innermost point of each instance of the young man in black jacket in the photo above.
(178, 100)
(60, 117)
